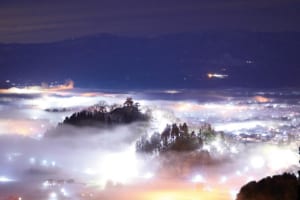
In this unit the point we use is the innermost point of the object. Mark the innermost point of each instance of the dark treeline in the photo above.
(101, 115)
(176, 138)
(279, 187)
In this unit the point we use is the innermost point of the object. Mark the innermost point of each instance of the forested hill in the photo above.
(99, 115)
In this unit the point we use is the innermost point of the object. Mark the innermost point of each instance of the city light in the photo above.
(214, 75)
(4, 179)
(259, 138)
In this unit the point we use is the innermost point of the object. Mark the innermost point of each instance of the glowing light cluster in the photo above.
(214, 75)
(21, 127)
(39, 89)
(198, 179)
(117, 168)
(233, 164)
(4, 179)
(185, 193)
(257, 162)
(261, 99)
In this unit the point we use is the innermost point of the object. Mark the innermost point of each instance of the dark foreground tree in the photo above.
(279, 187)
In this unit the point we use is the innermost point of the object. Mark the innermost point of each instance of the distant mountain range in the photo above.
(171, 61)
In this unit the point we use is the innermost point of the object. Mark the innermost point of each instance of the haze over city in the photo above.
(160, 100)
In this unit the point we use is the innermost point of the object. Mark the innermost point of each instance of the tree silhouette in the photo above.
(171, 140)
(174, 131)
(128, 102)
(281, 187)
(97, 115)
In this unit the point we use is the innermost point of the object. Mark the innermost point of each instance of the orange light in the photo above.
(69, 85)
(261, 99)
(187, 194)
(209, 75)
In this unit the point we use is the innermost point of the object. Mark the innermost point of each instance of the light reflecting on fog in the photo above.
(87, 163)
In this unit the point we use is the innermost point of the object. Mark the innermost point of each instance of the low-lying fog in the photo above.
(91, 163)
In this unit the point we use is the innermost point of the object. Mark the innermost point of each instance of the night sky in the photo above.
(44, 21)
(149, 99)
(137, 43)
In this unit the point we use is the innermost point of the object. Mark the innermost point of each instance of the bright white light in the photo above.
(89, 171)
(46, 184)
(233, 149)
(217, 144)
(211, 75)
(236, 126)
(281, 158)
(250, 178)
(65, 102)
(185, 106)
(4, 179)
(206, 147)
(161, 119)
(118, 167)
(257, 162)
(148, 175)
(44, 162)
(198, 179)
(63, 191)
(172, 91)
(32, 160)
(233, 193)
(52, 196)
(223, 179)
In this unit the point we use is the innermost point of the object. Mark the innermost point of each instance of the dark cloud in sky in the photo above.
(43, 21)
